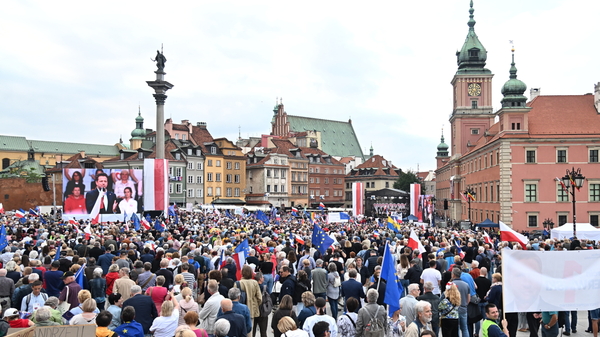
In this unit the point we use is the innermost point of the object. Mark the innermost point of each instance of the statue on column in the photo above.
(160, 61)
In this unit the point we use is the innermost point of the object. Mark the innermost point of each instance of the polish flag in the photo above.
(486, 238)
(156, 192)
(95, 213)
(145, 224)
(415, 243)
(1, 208)
(20, 213)
(88, 231)
(507, 234)
(297, 239)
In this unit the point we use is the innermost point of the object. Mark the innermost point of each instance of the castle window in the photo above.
(474, 104)
(474, 53)
(474, 131)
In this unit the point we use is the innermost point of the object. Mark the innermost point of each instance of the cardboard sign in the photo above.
(54, 331)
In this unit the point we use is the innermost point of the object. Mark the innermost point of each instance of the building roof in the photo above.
(13, 143)
(563, 115)
(60, 147)
(375, 166)
(337, 138)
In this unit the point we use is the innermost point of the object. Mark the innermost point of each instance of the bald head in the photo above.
(226, 305)
(2, 272)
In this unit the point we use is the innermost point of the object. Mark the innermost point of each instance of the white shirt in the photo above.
(312, 320)
(165, 326)
(434, 276)
(128, 207)
(35, 302)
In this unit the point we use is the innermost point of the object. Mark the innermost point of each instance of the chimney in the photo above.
(597, 97)
(202, 125)
(82, 153)
(184, 121)
(534, 92)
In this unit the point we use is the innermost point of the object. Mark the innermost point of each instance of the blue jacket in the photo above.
(145, 310)
(237, 327)
(241, 309)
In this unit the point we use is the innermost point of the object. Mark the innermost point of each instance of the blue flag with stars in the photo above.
(393, 287)
(3, 239)
(136, 221)
(158, 226)
(320, 239)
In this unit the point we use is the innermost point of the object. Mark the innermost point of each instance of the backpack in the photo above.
(266, 306)
(485, 261)
(375, 327)
(243, 295)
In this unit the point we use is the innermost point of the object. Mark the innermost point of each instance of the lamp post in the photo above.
(470, 194)
(549, 224)
(575, 179)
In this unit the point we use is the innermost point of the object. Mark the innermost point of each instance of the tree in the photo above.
(405, 179)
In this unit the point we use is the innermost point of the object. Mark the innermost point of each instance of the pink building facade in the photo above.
(511, 158)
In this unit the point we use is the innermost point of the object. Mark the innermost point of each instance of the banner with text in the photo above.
(550, 280)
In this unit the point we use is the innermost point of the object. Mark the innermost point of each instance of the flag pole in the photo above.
(382, 261)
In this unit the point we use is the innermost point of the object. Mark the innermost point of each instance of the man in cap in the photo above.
(70, 291)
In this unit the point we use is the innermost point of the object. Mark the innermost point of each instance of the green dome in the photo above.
(442, 148)
(513, 89)
(472, 55)
(139, 127)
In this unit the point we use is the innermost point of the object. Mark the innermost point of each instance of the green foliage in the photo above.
(30, 175)
(405, 179)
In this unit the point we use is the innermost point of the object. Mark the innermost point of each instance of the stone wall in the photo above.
(16, 193)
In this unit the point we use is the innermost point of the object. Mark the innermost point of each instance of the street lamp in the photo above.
(549, 224)
(575, 179)
(470, 194)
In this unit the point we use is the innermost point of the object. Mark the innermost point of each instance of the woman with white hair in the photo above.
(165, 324)
(98, 288)
(371, 309)
(43, 317)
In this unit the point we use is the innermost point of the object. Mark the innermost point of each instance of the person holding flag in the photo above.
(394, 287)
(320, 239)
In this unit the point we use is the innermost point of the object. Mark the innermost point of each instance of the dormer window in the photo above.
(177, 156)
(213, 150)
(473, 53)
(140, 155)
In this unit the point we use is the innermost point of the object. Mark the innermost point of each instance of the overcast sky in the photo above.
(75, 71)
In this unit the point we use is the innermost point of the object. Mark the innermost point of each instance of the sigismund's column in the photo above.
(160, 87)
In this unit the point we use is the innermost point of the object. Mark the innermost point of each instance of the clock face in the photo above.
(474, 89)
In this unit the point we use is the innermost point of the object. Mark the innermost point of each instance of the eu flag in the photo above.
(136, 221)
(320, 239)
(158, 226)
(3, 240)
(393, 287)
(260, 215)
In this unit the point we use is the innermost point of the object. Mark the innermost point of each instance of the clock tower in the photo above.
(472, 112)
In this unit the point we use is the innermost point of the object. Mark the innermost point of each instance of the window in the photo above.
(170, 188)
(326, 181)
(562, 219)
(474, 131)
(236, 192)
(516, 126)
(326, 171)
(190, 193)
(594, 220)
(561, 156)
(198, 179)
(530, 157)
(218, 191)
(190, 179)
(237, 179)
(178, 171)
(209, 177)
(275, 173)
(387, 184)
(209, 192)
(268, 173)
(562, 195)
(213, 150)
(310, 170)
(474, 106)
(268, 188)
(177, 156)
(274, 188)
(530, 192)
(594, 192)
(209, 162)
(593, 156)
(532, 220)
(282, 173)
(368, 185)
(228, 192)
(318, 180)
(228, 178)
(237, 166)
(178, 188)
(316, 170)
(218, 163)
(199, 166)
(228, 164)
(199, 192)
(312, 180)
(282, 188)
(190, 166)
(326, 193)
(218, 177)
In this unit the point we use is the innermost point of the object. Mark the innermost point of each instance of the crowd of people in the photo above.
(188, 280)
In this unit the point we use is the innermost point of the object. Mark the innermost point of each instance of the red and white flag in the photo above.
(88, 231)
(486, 238)
(156, 191)
(415, 243)
(145, 223)
(1, 208)
(20, 214)
(358, 199)
(507, 234)
(95, 213)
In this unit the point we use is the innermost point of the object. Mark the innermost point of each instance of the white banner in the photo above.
(550, 280)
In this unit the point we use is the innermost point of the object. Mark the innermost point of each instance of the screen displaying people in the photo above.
(113, 191)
